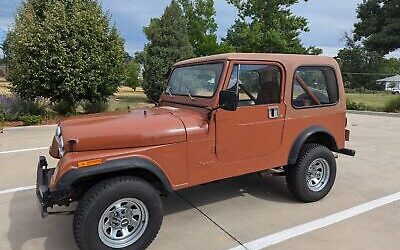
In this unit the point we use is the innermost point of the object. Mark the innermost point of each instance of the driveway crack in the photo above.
(212, 221)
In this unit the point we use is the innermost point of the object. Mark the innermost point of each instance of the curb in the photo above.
(374, 113)
(28, 127)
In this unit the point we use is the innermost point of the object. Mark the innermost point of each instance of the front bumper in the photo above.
(44, 174)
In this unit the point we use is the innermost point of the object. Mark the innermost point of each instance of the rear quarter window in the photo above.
(314, 86)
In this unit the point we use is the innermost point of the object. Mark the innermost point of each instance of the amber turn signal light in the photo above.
(89, 163)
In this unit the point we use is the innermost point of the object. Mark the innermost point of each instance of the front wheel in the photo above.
(314, 173)
(119, 213)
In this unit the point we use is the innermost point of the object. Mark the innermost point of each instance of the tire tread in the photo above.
(89, 198)
(295, 172)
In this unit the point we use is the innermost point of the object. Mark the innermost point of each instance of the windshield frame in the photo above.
(195, 97)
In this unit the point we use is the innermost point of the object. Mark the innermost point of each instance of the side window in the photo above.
(314, 86)
(256, 84)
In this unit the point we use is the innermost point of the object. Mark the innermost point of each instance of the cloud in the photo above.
(2, 34)
(330, 51)
(394, 54)
(5, 23)
(328, 21)
(8, 8)
(131, 17)
(225, 16)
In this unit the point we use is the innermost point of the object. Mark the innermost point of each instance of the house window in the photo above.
(314, 86)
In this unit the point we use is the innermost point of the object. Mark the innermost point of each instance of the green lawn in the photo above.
(374, 102)
(127, 97)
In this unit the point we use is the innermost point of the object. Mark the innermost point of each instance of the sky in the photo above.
(328, 20)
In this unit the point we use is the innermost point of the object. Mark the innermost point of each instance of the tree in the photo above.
(391, 66)
(361, 68)
(65, 51)
(202, 28)
(168, 43)
(132, 75)
(268, 26)
(379, 25)
(128, 57)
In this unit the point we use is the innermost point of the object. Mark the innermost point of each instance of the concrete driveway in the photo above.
(361, 212)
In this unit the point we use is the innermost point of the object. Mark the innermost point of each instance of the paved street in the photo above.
(242, 209)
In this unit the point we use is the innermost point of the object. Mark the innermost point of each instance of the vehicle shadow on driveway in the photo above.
(267, 188)
(27, 228)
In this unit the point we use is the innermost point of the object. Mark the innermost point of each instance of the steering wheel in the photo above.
(248, 93)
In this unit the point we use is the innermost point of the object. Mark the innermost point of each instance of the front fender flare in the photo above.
(76, 175)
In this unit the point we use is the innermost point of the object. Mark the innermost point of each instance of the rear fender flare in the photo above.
(305, 137)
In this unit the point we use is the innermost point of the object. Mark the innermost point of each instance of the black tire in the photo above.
(296, 176)
(95, 202)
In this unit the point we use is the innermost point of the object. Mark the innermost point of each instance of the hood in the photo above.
(195, 121)
(139, 128)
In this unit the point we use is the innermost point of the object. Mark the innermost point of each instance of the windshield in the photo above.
(195, 81)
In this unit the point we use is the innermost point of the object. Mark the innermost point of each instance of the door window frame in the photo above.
(282, 71)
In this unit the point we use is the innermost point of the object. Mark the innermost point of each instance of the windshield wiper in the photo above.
(168, 91)
(188, 92)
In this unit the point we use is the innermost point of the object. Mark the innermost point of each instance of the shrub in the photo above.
(31, 119)
(2, 120)
(351, 105)
(64, 51)
(64, 108)
(95, 107)
(393, 105)
(13, 107)
(363, 91)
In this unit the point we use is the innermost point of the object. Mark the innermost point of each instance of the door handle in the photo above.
(273, 112)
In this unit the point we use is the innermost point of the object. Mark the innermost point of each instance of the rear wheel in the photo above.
(119, 213)
(313, 175)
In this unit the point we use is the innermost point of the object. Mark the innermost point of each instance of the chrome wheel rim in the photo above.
(123, 223)
(318, 174)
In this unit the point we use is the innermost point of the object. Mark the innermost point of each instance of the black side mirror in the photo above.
(228, 100)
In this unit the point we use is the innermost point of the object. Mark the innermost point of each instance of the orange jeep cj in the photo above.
(220, 116)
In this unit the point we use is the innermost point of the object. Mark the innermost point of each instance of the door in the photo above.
(255, 128)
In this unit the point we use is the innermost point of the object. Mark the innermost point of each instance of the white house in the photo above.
(392, 82)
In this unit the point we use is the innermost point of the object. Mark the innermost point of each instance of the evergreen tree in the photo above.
(379, 25)
(168, 43)
(268, 26)
(64, 50)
